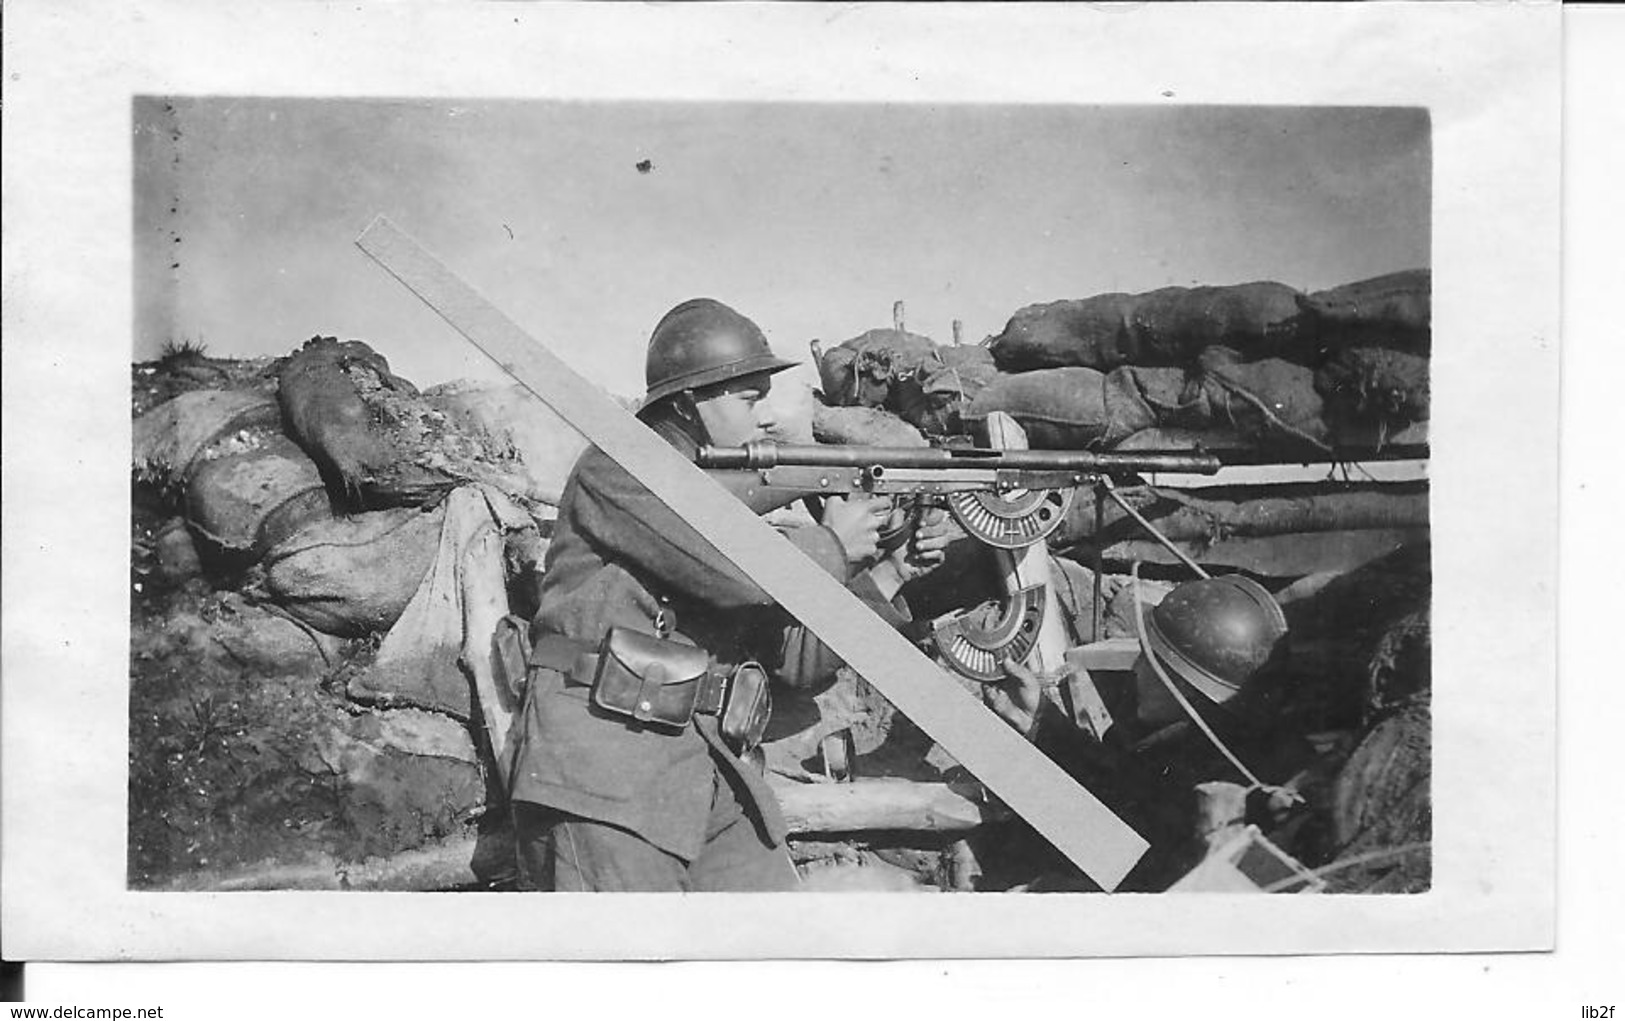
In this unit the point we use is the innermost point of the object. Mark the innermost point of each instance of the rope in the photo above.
(1167, 543)
(1179, 696)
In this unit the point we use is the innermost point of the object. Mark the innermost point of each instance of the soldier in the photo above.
(648, 676)
(1219, 643)
(1215, 640)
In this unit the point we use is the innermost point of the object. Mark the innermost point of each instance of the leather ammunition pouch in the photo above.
(745, 707)
(649, 679)
(510, 657)
(662, 684)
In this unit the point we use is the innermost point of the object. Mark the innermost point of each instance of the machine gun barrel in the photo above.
(766, 454)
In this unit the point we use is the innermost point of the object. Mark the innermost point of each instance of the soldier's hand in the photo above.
(927, 548)
(1018, 699)
(856, 521)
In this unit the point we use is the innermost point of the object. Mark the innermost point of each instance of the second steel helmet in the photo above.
(700, 342)
(1215, 634)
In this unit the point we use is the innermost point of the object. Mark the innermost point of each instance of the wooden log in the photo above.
(1250, 511)
(883, 804)
(1278, 556)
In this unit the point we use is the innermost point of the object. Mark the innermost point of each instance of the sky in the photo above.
(812, 219)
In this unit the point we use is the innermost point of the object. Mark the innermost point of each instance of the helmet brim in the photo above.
(718, 374)
(1209, 685)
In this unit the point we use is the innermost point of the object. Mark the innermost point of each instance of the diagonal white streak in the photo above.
(1071, 818)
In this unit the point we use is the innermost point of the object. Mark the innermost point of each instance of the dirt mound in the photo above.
(239, 756)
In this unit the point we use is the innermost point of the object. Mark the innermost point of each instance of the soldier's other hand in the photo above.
(1018, 699)
(856, 521)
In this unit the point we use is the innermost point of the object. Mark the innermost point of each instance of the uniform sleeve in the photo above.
(621, 515)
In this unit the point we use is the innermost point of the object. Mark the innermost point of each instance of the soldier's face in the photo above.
(733, 413)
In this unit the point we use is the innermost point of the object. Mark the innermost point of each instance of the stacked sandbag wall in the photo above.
(1258, 363)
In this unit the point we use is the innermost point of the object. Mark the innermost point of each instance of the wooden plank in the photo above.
(1108, 654)
(1071, 818)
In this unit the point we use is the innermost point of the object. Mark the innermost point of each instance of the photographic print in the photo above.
(794, 457)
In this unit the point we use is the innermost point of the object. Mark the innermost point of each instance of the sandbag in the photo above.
(1091, 333)
(970, 360)
(864, 427)
(262, 640)
(1172, 325)
(1394, 311)
(906, 374)
(1382, 799)
(1177, 438)
(251, 491)
(948, 383)
(381, 443)
(1268, 399)
(1159, 391)
(1354, 646)
(353, 576)
(836, 380)
(1167, 326)
(1067, 408)
(167, 440)
(443, 637)
(325, 412)
(867, 369)
(544, 446)
(1375, 386)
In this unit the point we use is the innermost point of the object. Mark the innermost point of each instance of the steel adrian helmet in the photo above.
(1216, 634)
(701, 342)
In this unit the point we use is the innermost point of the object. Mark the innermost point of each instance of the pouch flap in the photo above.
(656, 660)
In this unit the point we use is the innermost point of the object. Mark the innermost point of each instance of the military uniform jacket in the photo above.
(620, 557)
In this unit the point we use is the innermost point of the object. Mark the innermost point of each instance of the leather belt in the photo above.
(578, 662)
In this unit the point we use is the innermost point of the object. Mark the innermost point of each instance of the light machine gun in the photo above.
(1007, 499)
